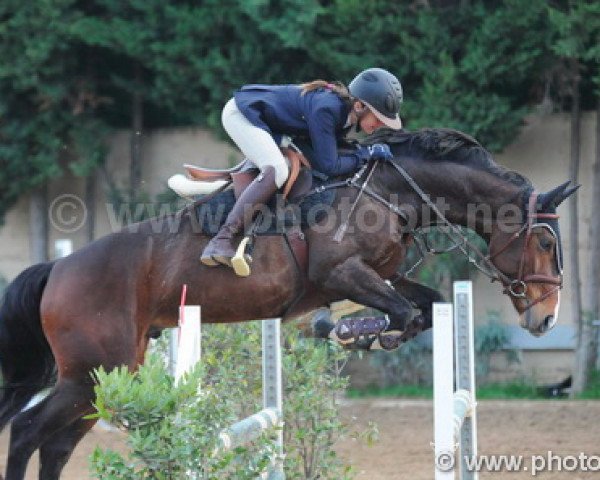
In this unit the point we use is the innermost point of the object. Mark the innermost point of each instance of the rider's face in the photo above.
(369, 122)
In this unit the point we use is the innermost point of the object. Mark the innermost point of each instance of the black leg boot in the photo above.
(221, 249)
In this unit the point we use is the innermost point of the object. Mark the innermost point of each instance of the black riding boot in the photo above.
(221, 250)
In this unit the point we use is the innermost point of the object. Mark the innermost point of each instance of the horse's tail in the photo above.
(26, 361)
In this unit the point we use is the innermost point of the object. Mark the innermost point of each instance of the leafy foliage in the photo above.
(411, 364)
(173, 429)
(45, 103)
(490, 338)
(592, 390)
(576, 28)
(75, 67)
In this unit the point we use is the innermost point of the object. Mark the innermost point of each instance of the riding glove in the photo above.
(377, 151)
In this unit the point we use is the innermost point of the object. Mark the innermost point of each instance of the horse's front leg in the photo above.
(356, 281)
(421, 296)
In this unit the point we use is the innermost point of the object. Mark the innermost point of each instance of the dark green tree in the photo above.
(47, 122)
(576, 43)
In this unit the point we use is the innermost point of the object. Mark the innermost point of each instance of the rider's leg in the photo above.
(255, 143)
(261, 149)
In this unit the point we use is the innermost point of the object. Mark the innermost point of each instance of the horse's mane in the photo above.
(445, 144)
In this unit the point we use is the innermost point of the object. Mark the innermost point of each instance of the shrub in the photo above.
(173, 430)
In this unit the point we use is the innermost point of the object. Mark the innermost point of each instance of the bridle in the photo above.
(517, 288)
(514, 287)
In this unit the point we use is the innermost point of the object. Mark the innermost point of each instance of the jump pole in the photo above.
(455, 421)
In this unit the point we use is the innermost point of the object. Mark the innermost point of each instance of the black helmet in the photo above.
(381, 92)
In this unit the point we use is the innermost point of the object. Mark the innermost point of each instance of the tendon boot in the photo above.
(221, 250)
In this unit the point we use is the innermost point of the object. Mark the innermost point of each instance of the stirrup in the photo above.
(240, 261)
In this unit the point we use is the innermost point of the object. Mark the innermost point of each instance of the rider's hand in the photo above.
(377, 151)
(380, 151)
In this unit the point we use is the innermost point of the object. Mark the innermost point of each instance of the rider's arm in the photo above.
(322, 125)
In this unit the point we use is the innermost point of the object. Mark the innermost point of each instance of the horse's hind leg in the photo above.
(56, 451)
(11, 404)
(67, 403)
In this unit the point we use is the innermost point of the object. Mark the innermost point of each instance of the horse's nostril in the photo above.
(548, 323)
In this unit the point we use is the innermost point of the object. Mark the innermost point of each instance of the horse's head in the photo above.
(530, 260)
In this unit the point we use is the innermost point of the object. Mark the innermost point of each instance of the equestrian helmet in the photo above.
(381, 91)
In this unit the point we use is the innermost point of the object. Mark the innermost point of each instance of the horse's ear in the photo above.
(554, 197)
(566, 194)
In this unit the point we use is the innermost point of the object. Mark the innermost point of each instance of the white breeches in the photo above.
(254, 142)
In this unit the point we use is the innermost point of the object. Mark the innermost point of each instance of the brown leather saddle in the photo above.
(298, 184)
(299, 180)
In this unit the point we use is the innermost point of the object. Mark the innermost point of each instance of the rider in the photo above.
(258, 117)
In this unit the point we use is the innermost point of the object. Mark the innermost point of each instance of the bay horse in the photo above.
(100, 305)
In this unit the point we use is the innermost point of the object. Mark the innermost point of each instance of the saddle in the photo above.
(299, 180)
(205, 181)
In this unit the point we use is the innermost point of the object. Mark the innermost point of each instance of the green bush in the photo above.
(592, 391)
(173, 430)
(490, 338)
(517, 389)
(410, 364)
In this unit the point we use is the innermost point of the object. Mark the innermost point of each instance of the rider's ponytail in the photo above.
(336, 87)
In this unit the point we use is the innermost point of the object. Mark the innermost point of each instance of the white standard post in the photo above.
(443, 391)
(272, 386)
(189, 346)
(465, 373)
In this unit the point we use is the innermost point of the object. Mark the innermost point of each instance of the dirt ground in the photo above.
(505, 427)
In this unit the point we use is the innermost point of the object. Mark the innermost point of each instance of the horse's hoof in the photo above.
(390, 341)
(364, 343)
(322, 325)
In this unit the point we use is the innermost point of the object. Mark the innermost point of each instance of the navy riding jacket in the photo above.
(319, 115)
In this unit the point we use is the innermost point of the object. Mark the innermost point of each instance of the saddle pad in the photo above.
(308, 210)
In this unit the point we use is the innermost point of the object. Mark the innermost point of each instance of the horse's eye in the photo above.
(545, 244)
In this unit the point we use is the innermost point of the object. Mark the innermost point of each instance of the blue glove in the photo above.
(377, 151)
(380, 151)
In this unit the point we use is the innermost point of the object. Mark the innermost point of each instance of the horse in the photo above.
(100, 305)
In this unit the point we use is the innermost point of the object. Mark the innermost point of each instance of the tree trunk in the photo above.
(90, 203)
(593, 282)
(38, 225)
(135, 174)
(580, 374)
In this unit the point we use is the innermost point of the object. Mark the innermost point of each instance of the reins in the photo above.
(515, 288)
